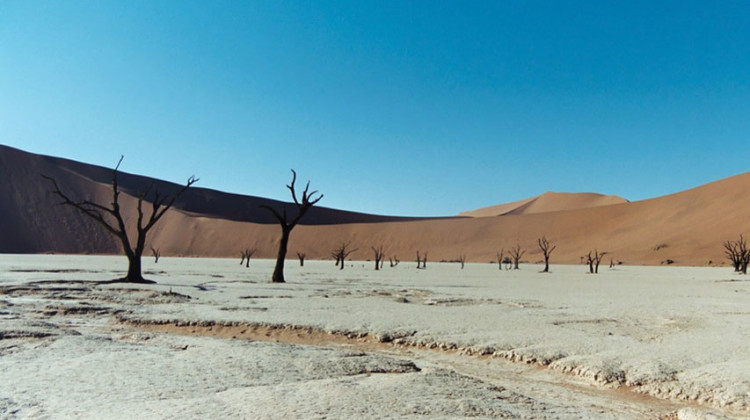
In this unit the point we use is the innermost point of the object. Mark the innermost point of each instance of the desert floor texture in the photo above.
(214, 339)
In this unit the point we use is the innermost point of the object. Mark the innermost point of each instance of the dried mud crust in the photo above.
(417, 296)
(661, 384)
(37, 313)
(74, 300)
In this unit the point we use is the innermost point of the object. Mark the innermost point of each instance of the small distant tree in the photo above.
(287, 224)
(379, 255)
(394, 261)
(738, 254)
(341, 252)
(516, 253)
(594, 260)
(110, 217)
(301, 256)
(500, 259)
(547, 248)
(421, 260)
(247, 253)
(155, 252)
(462, 260)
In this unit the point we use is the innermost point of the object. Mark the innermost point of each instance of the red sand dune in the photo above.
(687, 227)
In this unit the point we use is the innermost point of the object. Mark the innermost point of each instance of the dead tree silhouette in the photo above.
(247, 253)
(394, 261)
(308, 200)
(594, 260)
(301, 256)
(110, 217)
(500, 259)
(738, 253)
(547, 248)
(421, 261)
(462, 260)
(341, 252)
(379, 255)
(155, 252)
(516, 253)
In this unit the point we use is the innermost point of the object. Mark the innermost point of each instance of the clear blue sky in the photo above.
(391, 107)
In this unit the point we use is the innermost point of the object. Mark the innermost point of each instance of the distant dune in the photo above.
(546, 203)
(687, 227)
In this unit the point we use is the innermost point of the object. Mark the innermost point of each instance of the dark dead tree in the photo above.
(337, 257)
(155, 252)
(547, 248)
(732, 251)
(379, 256)
(738, 253)
(500, 259)
(301, 256)
(308, 200)
(110, 217)
(247, 253)
(462, 260)
(594, 260)
(394, 261)
(516, 253)
(421, 260)
(341, 252)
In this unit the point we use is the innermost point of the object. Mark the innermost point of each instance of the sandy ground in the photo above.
(214, 339)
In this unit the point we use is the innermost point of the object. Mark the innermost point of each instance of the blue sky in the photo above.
(391, 107)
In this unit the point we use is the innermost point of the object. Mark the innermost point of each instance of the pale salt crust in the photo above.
(595, 343)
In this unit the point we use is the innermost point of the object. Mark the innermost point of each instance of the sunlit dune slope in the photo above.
(546, 203)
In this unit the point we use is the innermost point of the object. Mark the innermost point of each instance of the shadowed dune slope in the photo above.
(30, 222)
(687, 227)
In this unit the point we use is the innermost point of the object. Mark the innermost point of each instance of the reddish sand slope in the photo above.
(687, 227)
(546, 203)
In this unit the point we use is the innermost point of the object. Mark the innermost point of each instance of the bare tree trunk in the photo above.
(301, 257)
(278, 271)
(379, 256)
(547, 248)
(595, 260)
(134, 267)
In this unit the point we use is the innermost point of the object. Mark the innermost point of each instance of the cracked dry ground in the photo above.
(65, 352)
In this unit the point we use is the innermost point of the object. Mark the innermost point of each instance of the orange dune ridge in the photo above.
(687, 227)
